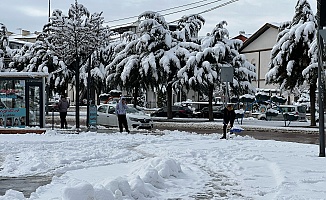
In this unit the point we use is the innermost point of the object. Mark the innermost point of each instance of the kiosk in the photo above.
(22, 99)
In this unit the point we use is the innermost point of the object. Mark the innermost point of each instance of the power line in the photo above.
(158, 11)
(191, 8)
(208, 10)
(205, 11)
(221, 5)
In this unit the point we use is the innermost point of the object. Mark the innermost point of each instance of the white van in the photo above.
(278, 112)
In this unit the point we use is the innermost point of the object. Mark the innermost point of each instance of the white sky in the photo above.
(176, 165)
(242, 15)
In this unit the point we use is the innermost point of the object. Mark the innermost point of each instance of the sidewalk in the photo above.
(249, 124)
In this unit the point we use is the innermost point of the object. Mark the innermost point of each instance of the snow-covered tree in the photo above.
(202, 71)
(4, 46)
(125, 71)
(292, 61)
(100, 59)
(177, 47)
(137, 66)
(20, 58)
(140, 62)
(152, 60)
(188, 27)
(155, 43)
(72, 39)
(244, 72)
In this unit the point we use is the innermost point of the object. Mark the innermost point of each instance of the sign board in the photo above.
(92, 115)
(13, 117)
(262, 109)
(227, 74)
(322, 33)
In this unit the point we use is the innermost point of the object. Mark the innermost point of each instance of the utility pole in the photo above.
(321, 37)
(47, 87)
(88, 91)
(77, 90)
(49, 11)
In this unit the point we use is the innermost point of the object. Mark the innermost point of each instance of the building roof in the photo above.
(25, 35)
(242, 36)
(260, 31)
(23, 74)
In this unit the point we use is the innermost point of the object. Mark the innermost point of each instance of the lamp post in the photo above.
(321, 13)
(49, 11)
(77, 90)
(88, 91)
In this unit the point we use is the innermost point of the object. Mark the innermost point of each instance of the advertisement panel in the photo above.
(13, 117)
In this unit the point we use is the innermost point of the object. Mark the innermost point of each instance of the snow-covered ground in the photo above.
(173, 165)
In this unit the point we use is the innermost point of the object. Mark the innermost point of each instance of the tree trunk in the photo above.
(312, 94)
(210, 103)
(169, 101)
(135, 95)
(97, 93)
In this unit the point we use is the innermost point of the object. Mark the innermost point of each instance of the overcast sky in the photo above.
(241, 15)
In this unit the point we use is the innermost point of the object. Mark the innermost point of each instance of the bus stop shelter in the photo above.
(22, 99)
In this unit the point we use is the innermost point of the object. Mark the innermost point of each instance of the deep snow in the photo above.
(173, 165)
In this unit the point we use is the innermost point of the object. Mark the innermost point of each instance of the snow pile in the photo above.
(142, 183)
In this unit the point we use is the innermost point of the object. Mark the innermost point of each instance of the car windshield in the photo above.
(133, 110)
(302, 109)
(215, 108)
(218, 108)
(288, 109)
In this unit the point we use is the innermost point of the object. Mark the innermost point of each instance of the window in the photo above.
(111, 110)
(12, 103)
(12, 94)
(102, 109)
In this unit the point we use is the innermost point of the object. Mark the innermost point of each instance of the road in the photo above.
(296, 131)
(300, 132)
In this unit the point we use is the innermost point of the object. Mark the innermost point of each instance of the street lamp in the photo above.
(49, 5)
(321, 13)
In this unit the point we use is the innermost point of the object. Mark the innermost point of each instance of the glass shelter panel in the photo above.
(34, 105)
(12, 103)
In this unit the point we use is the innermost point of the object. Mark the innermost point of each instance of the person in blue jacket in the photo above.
(228, 118)
(120, 111)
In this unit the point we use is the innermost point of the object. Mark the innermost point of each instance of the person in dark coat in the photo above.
(63, 106)
(228, 118)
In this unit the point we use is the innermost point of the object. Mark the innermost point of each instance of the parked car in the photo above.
(106, 116)
(217, 112)
(52, 106)
(278, 113)
(177, 111)
(317, 116)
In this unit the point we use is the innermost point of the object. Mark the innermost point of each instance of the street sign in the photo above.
(227, 74)
(322, 33)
